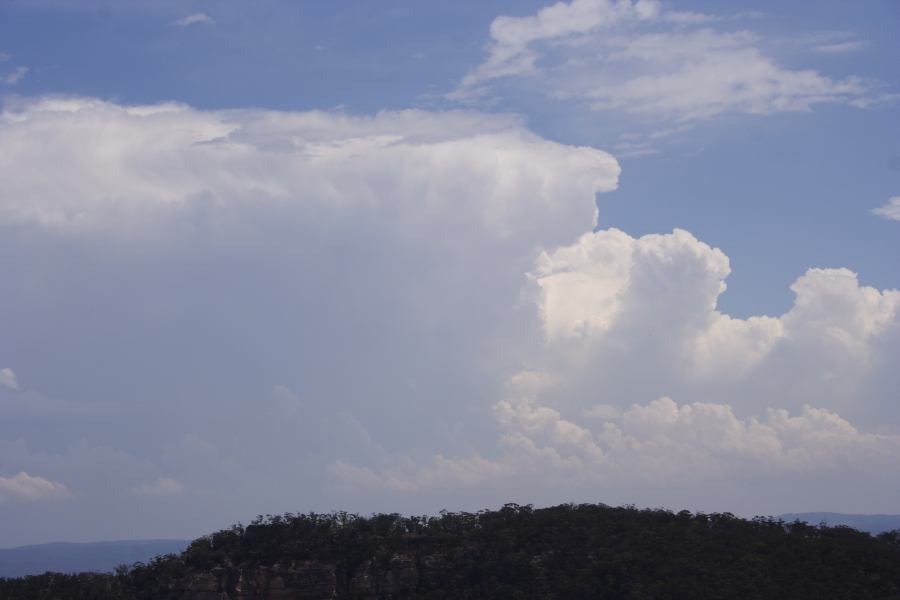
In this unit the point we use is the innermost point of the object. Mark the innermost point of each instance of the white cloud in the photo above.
(286, 400)
(602, 411)
(832, 312)
(8, 379)
(27, 488)
(700, 74)
(391, 270)
(653, 444)
(523, 417)
(622, 315)
(17, 75)
(163, 486)
(145, 162)
(672, 437)
(891, 209)
(609, 285)
(608, 279)
(511, 52)
(345, 247)
(639, 58)
(840, 47)
(194, 19)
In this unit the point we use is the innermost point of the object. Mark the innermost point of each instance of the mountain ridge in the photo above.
(105, 556)
(554, 553)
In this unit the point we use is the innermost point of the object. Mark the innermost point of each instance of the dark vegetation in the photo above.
(564, 552)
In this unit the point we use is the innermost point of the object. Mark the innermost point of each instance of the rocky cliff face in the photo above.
(394, 577)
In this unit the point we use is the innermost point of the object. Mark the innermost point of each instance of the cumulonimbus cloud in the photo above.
(420, 298)
(150, 160)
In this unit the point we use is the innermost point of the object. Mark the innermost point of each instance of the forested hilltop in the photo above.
(563, 552)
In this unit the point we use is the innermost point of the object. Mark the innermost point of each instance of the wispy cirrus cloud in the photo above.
(840, 47)
(162, 486)
(194, 19)
(890, 210)
(8, 379)
(641, 58)
(14, 76)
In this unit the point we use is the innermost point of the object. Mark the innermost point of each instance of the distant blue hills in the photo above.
(873, 524)
(63, 557)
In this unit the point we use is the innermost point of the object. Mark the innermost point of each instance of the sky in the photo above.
(411, 256)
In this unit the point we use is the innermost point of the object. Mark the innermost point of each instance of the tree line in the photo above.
(517, 552)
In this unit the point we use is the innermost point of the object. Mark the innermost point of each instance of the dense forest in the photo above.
(563, 552)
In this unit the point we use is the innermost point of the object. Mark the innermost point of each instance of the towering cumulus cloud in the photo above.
(628, 322)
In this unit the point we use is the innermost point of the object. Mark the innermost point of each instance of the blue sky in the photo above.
(360, 238)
